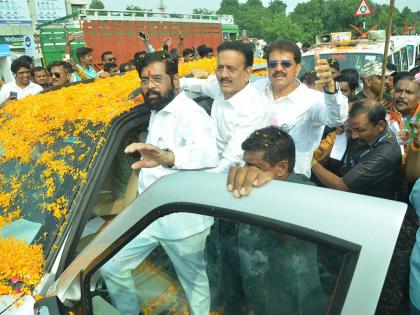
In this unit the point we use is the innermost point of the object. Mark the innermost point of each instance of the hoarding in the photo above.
(14, 12)
(48, 10)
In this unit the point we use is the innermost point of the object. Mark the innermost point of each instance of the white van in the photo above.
(357, 52)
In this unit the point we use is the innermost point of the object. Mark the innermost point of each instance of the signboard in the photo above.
(28, 42)
(12, 40)
(363, 9)
(48, 10)
(14, 12)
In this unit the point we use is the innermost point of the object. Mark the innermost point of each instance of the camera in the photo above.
(143, 36)
(13, 95)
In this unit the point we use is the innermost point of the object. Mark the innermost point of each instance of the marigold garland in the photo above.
(39, 121)
(26, 269)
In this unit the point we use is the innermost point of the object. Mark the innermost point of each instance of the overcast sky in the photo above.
(186, 6)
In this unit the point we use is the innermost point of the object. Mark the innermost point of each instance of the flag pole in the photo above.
(388, 35)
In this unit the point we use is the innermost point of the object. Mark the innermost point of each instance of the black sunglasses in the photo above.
(284, 63)
(56, 74)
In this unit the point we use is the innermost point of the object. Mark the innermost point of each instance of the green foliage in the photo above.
(131, 7)
(277, 6)
(310, 18)
(203, 11)
(96, 4)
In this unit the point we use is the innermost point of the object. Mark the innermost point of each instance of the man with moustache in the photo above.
(181, 137)
(41, 77)
(297, 109)
(61, 72)
(406, 109)
(237, 110)
(237, 107)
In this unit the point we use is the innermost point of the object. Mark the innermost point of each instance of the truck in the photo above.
(118, 31)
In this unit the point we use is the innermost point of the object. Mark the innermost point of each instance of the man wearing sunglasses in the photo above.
(300, 111)
(61, 72)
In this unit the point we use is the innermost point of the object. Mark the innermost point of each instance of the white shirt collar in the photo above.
(294, 95)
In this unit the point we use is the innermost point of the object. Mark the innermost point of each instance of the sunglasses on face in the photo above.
(284, 63)
(56, 74)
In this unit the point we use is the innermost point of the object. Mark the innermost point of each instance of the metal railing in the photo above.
(117, 15)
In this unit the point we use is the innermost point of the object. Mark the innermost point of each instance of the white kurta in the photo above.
(186, 129)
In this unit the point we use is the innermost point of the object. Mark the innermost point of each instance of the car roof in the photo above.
(370, 222)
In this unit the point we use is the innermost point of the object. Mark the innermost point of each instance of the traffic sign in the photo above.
(363, 9)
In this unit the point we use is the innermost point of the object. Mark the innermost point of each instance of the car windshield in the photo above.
(346, 60)
(39, 191)
(48, 145)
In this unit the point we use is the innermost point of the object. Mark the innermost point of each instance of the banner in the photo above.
(48, 10)
(12, 40)
(14, 12)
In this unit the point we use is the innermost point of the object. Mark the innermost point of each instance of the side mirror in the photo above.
(49, 306)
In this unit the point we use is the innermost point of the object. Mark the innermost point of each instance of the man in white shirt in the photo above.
(237, 108)
(22, 86)
(181, 137)
(295, 108)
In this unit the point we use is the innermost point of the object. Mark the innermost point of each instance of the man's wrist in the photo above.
(170, 158)
(331, 88)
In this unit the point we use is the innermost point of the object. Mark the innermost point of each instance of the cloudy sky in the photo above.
(186, 6)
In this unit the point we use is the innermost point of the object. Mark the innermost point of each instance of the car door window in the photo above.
(397, 60)
(410, 52)
(118, 190)
(228, 267)
(404, 59)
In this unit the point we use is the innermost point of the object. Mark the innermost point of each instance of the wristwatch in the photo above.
(168, 166)
(337, 88)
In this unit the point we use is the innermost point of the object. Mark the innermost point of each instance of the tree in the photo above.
(277, 6)
(228, 7)
(96, 4)
(131, 7)
(203, 11)
(309, 19)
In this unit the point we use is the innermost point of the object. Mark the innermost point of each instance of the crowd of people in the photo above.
(331, 128)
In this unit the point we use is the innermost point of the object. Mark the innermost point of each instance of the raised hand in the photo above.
(324, 74)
